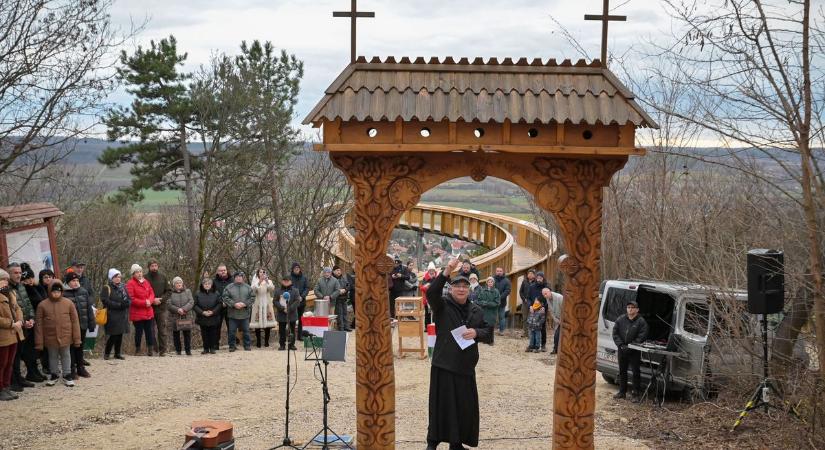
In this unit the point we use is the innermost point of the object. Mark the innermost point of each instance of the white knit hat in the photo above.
(431, 266)
(176, 279)
(135, 268)
(113, 273)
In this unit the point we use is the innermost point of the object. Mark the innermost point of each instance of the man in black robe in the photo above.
(454, 416)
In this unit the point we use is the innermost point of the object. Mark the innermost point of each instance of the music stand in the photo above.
(335, 349)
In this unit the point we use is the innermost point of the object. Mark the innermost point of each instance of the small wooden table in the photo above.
(409, 311)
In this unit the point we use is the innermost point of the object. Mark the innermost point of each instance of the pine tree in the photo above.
(154, 126)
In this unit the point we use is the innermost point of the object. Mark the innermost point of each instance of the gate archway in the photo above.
(398, 129)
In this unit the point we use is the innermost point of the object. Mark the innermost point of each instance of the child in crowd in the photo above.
(58, 328)
(534, 322)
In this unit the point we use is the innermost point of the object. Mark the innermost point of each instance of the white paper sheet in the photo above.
(462, 343)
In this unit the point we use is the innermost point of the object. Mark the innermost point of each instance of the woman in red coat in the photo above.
(140, 312)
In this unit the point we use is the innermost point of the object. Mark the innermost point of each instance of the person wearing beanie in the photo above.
(11, 331)
(57, 330)
(79, 268)
(299, 282)
(208, 308)
(141, 312)
(286, 301)
(162, 290)
(115, 299)
(238, 299)
(535, 294)
(35, 296)
(180, 306)
(524, 295)
(84, 304)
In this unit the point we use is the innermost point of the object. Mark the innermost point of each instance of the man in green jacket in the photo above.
(238, 299)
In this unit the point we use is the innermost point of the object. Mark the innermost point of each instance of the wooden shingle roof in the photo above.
(518, 91)
(28, 212)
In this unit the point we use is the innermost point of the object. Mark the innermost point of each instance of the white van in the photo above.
(679, 318)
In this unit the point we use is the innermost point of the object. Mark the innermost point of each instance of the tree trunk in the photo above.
(189, 190)
(808, 202)
(783, 344)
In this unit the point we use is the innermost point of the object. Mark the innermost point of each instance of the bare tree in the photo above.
(54, 77)
(748, 70)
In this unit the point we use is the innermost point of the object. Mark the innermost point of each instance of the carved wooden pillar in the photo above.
(572, 191)
(383, 191)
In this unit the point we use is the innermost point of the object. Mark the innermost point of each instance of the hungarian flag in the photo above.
(430, 339)
(315, 325)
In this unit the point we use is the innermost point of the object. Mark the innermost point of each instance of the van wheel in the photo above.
(609, 378)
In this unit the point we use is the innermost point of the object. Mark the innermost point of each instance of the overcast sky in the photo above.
(458, 28)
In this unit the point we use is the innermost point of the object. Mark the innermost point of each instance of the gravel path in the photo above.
(147, 403)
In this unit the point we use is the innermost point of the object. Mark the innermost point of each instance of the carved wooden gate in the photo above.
(560, 131)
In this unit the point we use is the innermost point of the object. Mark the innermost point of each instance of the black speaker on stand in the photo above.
(766, 295)
(766, 281)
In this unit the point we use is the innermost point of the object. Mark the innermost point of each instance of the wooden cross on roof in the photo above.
(605, 17)
(353, 14)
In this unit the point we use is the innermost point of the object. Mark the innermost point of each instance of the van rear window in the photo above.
(615, 303)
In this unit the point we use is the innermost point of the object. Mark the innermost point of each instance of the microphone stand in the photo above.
(287, 442)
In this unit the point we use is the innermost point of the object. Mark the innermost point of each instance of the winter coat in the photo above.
(56, 325)
(504, 287)
(448, 315)
(10, 312)
(535, 290)
(327, 287)
(556, 306)
(346, 283)
(290, 313)
(536, 318)
(139, 293)
(83, 303)
(208, 301)
(183, 300)
(35, 295)
(220, 284)
(488, 300)
(23, 301)
(399, 278)
(626, 331)
(160, 286)
(524, 292)
(425, 284)
(238, 293)
(263, 312)
(299, 281)
(474, 293)
(117, 302)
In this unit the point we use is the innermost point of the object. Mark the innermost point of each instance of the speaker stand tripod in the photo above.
(287, 442)
(766, 388)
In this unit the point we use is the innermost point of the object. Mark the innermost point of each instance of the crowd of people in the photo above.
(44, 322)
